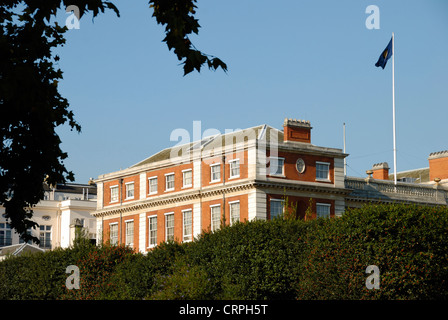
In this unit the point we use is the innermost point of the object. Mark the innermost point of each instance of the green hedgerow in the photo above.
(408, 243)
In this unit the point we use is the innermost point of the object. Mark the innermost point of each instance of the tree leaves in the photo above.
(178, 18)
(29, 146)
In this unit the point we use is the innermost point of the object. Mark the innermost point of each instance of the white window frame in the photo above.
(168, 214)
(230, 168)
(7, 234)
(328, 171)
(282, 174)
(166, 181)
(113, 224)
(187, 236)
(118, 193)
(45, 231)
(214, 227)
(183, 178)
(152, 245)
(28, 231)
(126, 238)
(270, 209)
(231, 203)
(212, 166)
(327, 205)
(149, 185)
(133, 190)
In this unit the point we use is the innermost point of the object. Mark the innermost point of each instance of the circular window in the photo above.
(300, 165)
(46, 218)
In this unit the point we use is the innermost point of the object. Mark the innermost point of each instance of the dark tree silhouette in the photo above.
(31, 107)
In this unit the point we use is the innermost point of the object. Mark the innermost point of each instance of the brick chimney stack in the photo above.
(380, 171)
(296, 130)
(438, 165)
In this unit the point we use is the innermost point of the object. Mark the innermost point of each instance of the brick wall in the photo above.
(438, 168)
(302, 205)
(122, 231)
(161, 180)
(121, 190)
(290, 170)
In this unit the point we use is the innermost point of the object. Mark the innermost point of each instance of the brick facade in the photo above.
(241, 185)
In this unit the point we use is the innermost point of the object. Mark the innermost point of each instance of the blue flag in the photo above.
(385, 55)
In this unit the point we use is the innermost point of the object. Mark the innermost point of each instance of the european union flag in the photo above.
(385, 55)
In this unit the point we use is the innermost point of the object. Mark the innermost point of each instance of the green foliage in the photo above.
(29, 144)
(250, 260)
(186, 282)
(178, 18)
(38, 275)
(135, 278)
(407, 242)
(96, 270)
(278, 259)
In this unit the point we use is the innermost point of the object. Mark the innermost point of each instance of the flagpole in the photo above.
(345, 160)
(393, 108)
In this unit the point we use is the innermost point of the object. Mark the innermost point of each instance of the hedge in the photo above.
(408, 243)
(279, 259)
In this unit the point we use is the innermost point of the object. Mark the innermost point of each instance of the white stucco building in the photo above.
(56, 215)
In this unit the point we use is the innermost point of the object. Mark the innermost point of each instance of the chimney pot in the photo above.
(296, 130)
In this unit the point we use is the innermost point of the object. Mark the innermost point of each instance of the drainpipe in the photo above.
(121, 203)
(224, 191)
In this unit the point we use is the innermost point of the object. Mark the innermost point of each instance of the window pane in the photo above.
(130, 190)
(187, 218)
(322, 171)
(5, 235)
(187, 178)
(276, 166)
(153, 185)
(276, 208)
(45, 237)
(114, 194)
(113, 234)
(152, 231)
(235, 168)
(28, 231)
(322, 210)
(130, 233)
(215, 218)
(216, 172)
(234, 212)
(170, 182)
(169, 222)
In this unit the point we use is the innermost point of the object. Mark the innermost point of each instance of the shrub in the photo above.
(251, 260)
(278, 259)
(96, 270)
(38, 275)
(135, 277)
(407, 242)
(186, 282)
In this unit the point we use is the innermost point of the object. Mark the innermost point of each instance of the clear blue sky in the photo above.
(311, 60)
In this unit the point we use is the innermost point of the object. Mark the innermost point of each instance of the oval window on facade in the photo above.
(300, 165)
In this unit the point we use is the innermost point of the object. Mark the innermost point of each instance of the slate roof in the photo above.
(72, 188)
(217, 141)
(421, 174)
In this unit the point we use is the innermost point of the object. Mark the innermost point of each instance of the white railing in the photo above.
(404, 188)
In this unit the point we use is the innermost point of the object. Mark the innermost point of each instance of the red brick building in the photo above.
(178, 192)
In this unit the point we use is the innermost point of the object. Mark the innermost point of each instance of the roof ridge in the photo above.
(208, 139)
